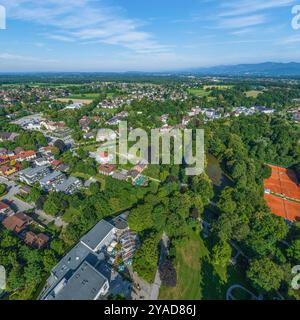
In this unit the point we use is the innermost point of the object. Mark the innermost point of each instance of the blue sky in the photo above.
(152, 35)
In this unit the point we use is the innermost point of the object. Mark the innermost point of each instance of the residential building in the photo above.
(32, 175)
(80, 274)
(38, 241)
(17, 222)
(69, 186)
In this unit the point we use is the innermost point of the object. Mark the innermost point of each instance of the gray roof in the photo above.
(50, 177)
(84, 284)
(71, 261)
(97, 234)
(31, 172)
(67, 183)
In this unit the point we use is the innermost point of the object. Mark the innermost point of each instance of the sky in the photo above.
(145, 35)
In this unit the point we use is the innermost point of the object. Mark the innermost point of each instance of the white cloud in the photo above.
(84, 20)
(242, 22)
(238, 8)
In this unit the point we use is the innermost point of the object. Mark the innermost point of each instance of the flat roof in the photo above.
(30, 172)
(66, 184)
(93, 238)
(84, 284)
(71, 261)
(53, 175)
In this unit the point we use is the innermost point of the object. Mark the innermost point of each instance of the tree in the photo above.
(2, 188)
(221, 254)
(265, 274)
(294, 251)
(146, 258)
(140, 218)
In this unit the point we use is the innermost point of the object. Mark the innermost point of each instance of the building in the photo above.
(74, 106)
(8, 136)
(5, 211)
(26, 156)
(32, 175)
(69, 186)
(38, 241)
(79, 275)
(106, 169)
(49, 181)
(17, 222)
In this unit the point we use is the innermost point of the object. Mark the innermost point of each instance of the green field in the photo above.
(189, 255)
(90, 96)
(199, 92)
(253, 93)
(198, 278)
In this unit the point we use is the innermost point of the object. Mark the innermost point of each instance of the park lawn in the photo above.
(90, 96)
(252, 93)
(199, 92)
(188, 265)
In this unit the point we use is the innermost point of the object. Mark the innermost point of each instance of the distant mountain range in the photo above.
(268, 69)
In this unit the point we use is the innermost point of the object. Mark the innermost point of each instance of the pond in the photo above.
(215, 172)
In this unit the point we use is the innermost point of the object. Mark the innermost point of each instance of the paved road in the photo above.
(20, 206)
(155, 287)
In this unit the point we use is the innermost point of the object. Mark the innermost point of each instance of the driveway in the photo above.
(20, 206)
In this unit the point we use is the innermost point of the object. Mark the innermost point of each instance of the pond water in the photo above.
(215, 172)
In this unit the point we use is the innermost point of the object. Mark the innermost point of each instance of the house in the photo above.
(134, 174)
(74, 106)
(41, 162)
(8, 136)
(8, 170)
(104, 157)
(80, 275)
(3, 151)
(24, 190)
(38, 241)
(17, 222)
(5, 211)
(106, 169)
(26, 156)
(52, 125)
(164, 118)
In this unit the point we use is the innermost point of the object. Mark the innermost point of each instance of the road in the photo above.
(21, 206)
(155, 287)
